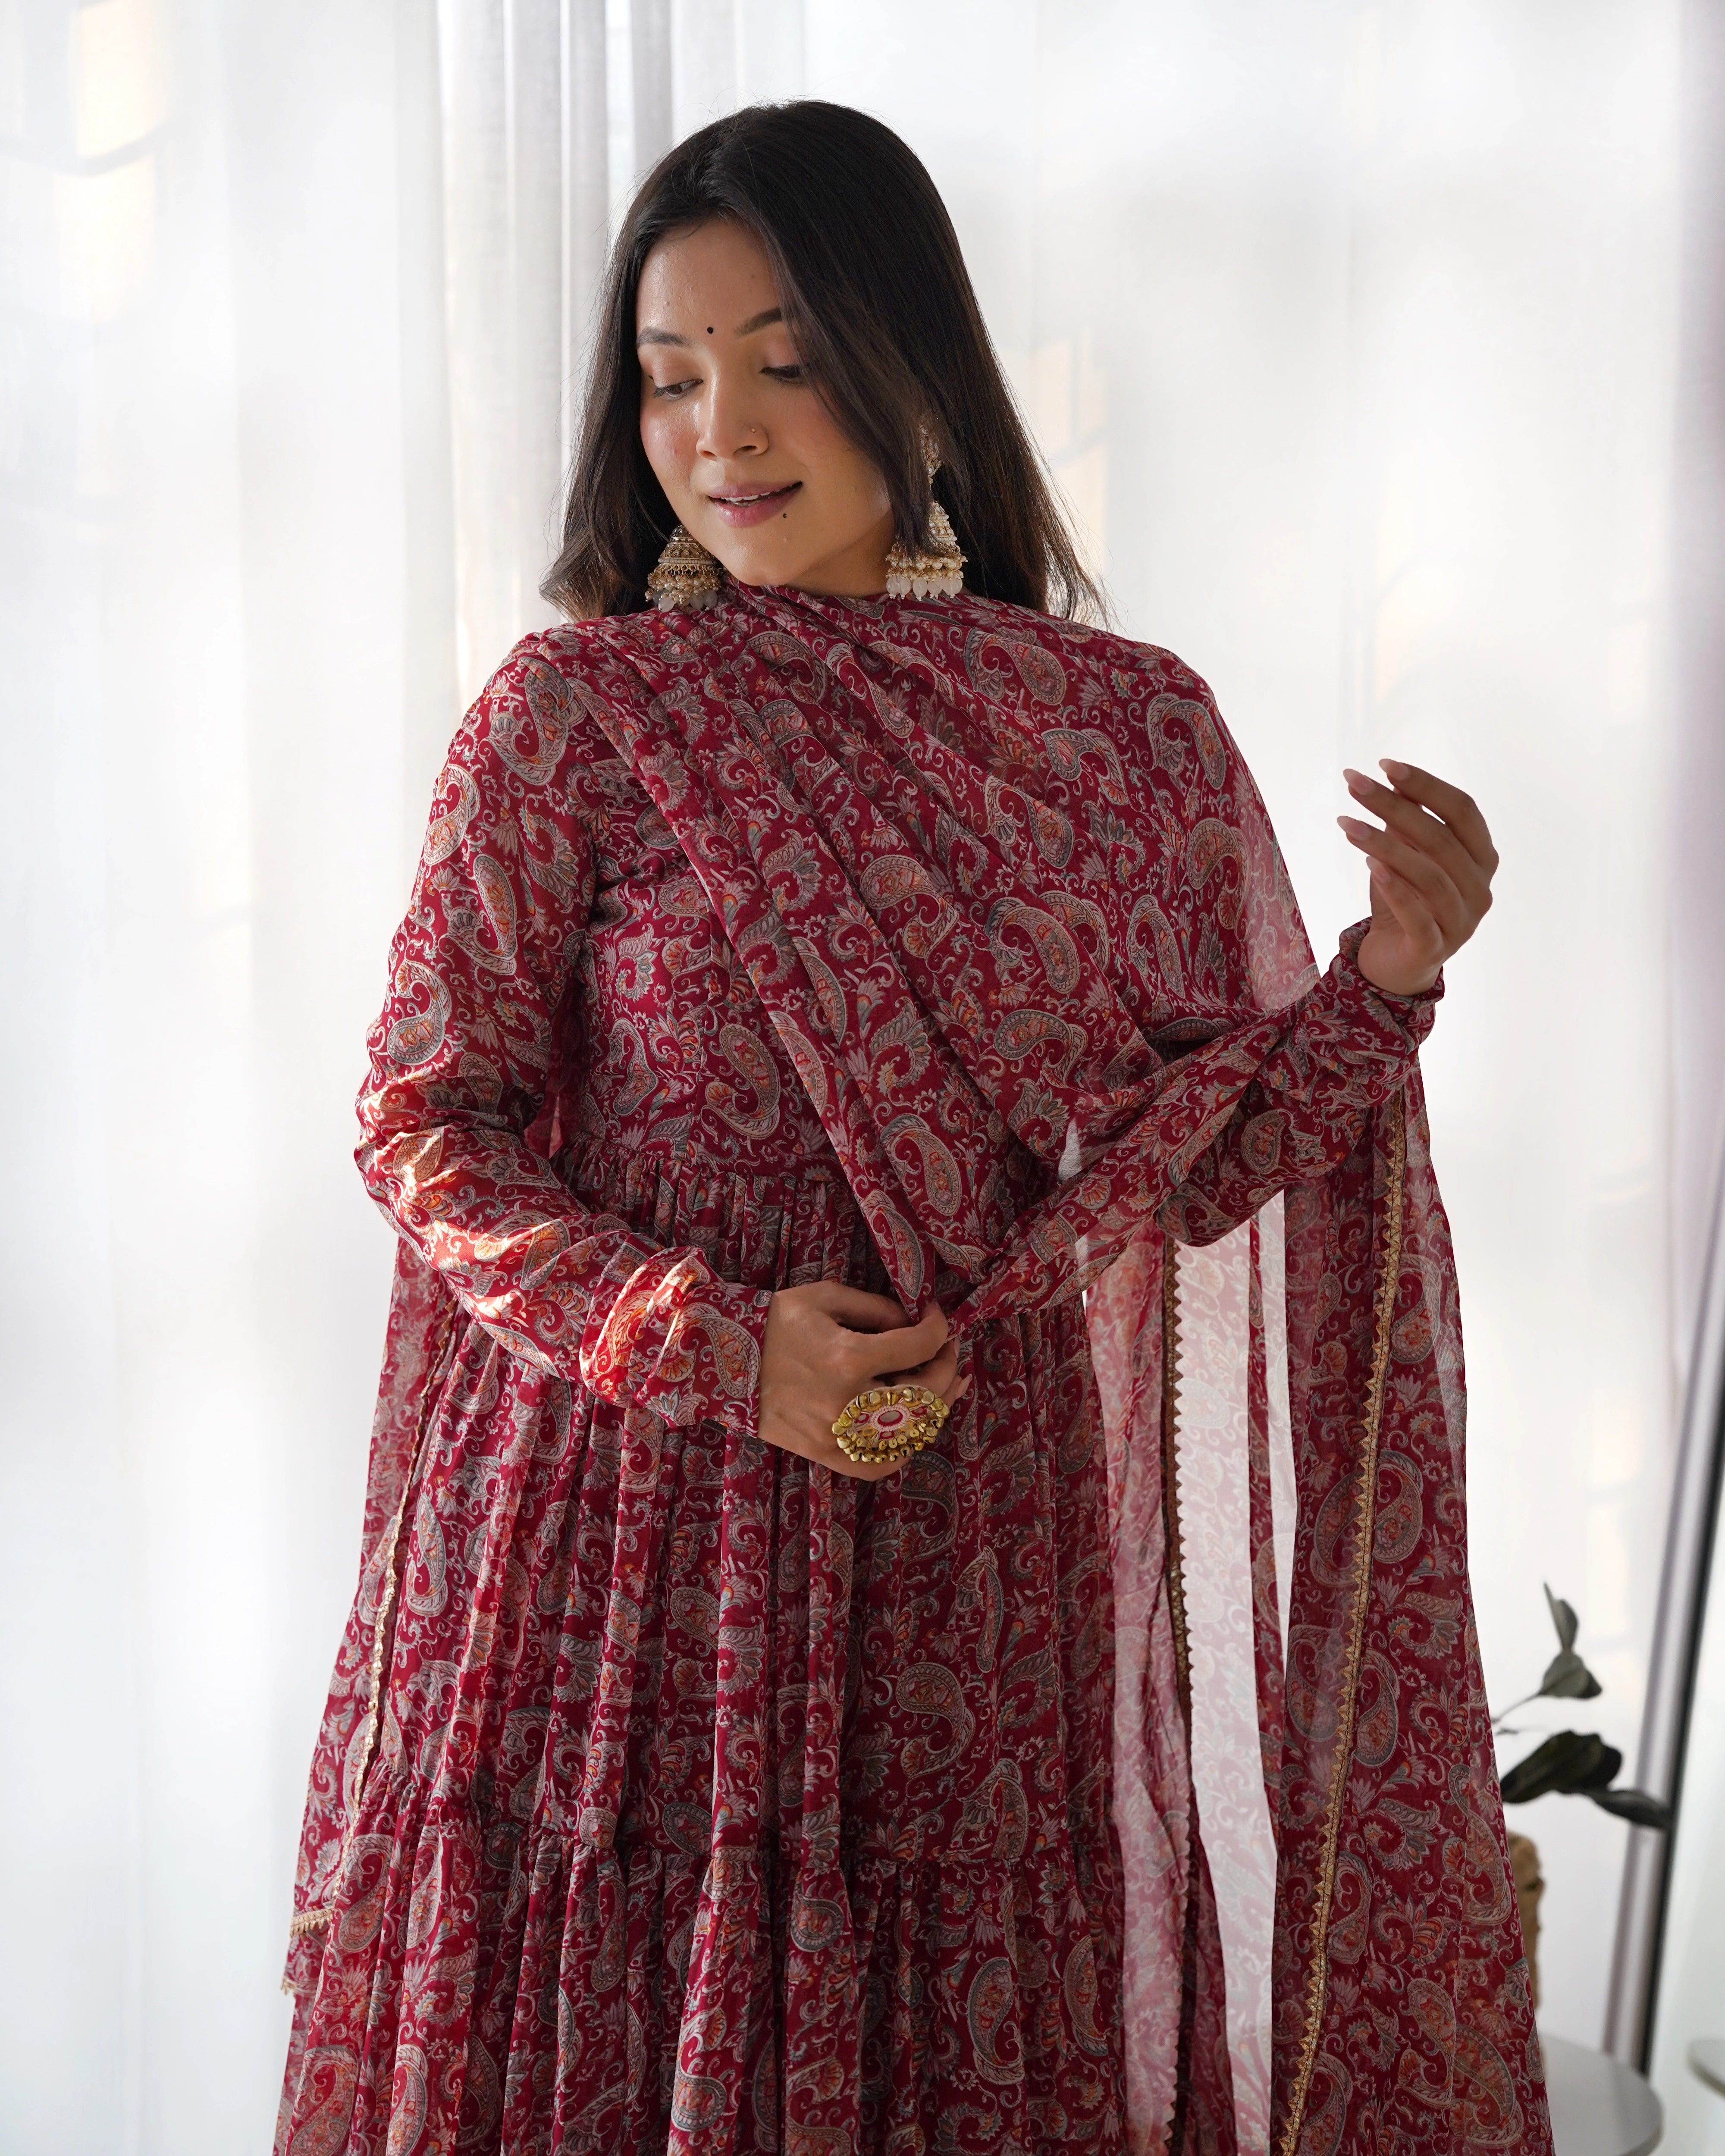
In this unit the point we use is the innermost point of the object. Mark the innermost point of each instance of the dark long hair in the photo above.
(875, 293)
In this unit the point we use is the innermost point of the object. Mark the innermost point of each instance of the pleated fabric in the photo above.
(542, 1940)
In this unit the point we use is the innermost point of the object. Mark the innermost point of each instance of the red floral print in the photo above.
(673, 1794)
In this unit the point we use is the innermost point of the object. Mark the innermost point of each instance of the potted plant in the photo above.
(1568, 1764)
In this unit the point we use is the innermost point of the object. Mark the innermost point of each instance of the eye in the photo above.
(676, 388)
(793, 373)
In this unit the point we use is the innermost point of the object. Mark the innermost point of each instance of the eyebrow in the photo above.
(759, 321)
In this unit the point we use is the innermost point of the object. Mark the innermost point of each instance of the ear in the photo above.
(929, 443)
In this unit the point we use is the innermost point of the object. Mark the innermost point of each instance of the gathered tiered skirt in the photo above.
(704, 1799)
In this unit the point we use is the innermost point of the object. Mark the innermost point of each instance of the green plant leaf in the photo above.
(1568, 1678)
(1564, 1617)
(1566, 1763)
(1635, 1805)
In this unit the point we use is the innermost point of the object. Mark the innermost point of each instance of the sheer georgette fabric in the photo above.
(674, 1795)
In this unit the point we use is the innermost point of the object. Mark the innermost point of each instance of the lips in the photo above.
(754, 507)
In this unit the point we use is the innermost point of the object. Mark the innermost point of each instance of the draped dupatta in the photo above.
(1013, 906)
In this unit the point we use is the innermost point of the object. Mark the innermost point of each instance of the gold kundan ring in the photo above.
(890, 1423)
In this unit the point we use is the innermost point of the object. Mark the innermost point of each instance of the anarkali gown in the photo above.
(673, 1793)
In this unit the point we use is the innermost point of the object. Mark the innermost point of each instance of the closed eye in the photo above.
(676, 388)
(793, 373)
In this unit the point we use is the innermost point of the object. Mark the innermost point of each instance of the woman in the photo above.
(814, 981)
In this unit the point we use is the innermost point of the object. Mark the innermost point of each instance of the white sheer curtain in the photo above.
(1356, 335)
(228, 672)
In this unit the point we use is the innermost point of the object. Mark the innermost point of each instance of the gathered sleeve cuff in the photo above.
(461, 1057)
(1347, 1045)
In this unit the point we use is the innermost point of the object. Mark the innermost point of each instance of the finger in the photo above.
(1405, 907)
(859, 1311)
(902, 1348)
(941, 1377)
(938, 1374)
(1459, 810)
(1421, 829)
(1398, 905)
(1439, 902)
(1434, 886)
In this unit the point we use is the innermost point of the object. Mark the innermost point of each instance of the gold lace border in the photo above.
(1389, 1279)
(1174, 1551)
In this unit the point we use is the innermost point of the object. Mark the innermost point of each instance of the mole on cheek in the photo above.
(709, 328)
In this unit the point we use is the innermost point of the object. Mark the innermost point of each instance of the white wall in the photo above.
(1353, 334)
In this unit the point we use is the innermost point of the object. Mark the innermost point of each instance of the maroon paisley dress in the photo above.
(673, 1793)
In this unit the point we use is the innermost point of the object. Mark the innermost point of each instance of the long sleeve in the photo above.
(459, 1062)
(1347, 1046)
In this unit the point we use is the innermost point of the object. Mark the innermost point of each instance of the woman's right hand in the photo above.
(824, 1345)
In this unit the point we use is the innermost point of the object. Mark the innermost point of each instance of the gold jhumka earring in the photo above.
(685, 578)
(938, 571)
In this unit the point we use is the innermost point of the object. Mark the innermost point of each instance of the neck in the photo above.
(855, 572)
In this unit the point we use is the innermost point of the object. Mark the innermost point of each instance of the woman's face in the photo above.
(750, 459)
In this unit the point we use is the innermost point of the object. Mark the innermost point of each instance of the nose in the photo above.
(730, 427)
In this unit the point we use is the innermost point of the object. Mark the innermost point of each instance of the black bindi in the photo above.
(709, 328)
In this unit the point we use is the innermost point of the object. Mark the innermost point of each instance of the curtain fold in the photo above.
(526, 187)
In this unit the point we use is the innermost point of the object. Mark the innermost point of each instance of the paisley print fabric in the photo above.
(674, 1795)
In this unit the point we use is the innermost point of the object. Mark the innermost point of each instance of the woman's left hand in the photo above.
(1432, 866)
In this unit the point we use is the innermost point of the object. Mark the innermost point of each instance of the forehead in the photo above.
(718, 271)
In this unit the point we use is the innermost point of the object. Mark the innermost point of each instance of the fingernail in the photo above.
(1354, 777)
(1395, 770)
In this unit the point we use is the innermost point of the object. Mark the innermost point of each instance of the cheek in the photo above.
(872, 488)
(827, 453)
(859, 495)
(859, 479)
(668, 435)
